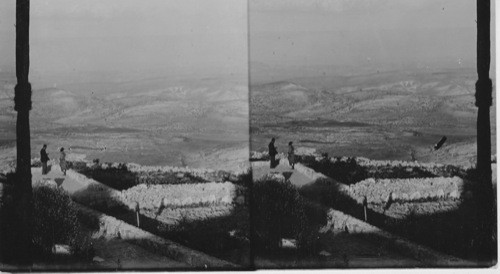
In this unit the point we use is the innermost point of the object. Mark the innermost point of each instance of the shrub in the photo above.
(117, 178)
(308, 238)
(347, 172)
(8, 222)
(280, 212)
(208, 236)
(315, 213)
(226, 237)
(308, 241)
(78, 166)
(56, 222)
(322, 191)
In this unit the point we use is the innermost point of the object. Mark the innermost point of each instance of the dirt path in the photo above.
(55, 174)
(298, 179)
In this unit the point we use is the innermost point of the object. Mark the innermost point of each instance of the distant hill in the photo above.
(149, 121)
(328, 111)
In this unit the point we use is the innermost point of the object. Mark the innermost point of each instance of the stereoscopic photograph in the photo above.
(230, 135)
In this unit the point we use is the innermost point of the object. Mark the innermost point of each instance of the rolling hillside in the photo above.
(383, 115)
(154, 121)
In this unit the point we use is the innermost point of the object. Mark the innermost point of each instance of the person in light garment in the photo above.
(291, 155)
(44, 158)
(62, 161)
(272, 153)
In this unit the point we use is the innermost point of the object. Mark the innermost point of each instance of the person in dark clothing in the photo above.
(291, 155)
(44, 158)
(272, 153)
(62, 161)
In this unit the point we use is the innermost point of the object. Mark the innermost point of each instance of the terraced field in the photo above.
(430, 204)
(199, 208)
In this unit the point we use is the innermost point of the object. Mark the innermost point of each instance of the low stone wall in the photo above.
(407, 190)
(94, 194)
(111, 227)
(154, 196)
(260, 163)
(338, 220)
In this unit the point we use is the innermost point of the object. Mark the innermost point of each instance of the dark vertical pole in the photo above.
(22, 101)
(484, 241)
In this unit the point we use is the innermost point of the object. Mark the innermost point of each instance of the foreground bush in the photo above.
(280, 212)
(56, 222)
(216, 234)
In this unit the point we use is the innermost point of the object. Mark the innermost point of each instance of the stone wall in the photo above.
(407, 190)
(154, 196)
(94, 194)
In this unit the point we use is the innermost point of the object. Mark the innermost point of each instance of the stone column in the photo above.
(484, 197)
(22, 101)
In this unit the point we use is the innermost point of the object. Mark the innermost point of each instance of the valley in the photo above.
(396, 115)
(152, 121)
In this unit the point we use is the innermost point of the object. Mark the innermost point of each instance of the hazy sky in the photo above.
(75, 36)
(376, 34)
(196, 37)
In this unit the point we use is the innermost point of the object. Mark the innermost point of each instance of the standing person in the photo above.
(272, 153)
(62, 161)
(44, 158)
(291, 154)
